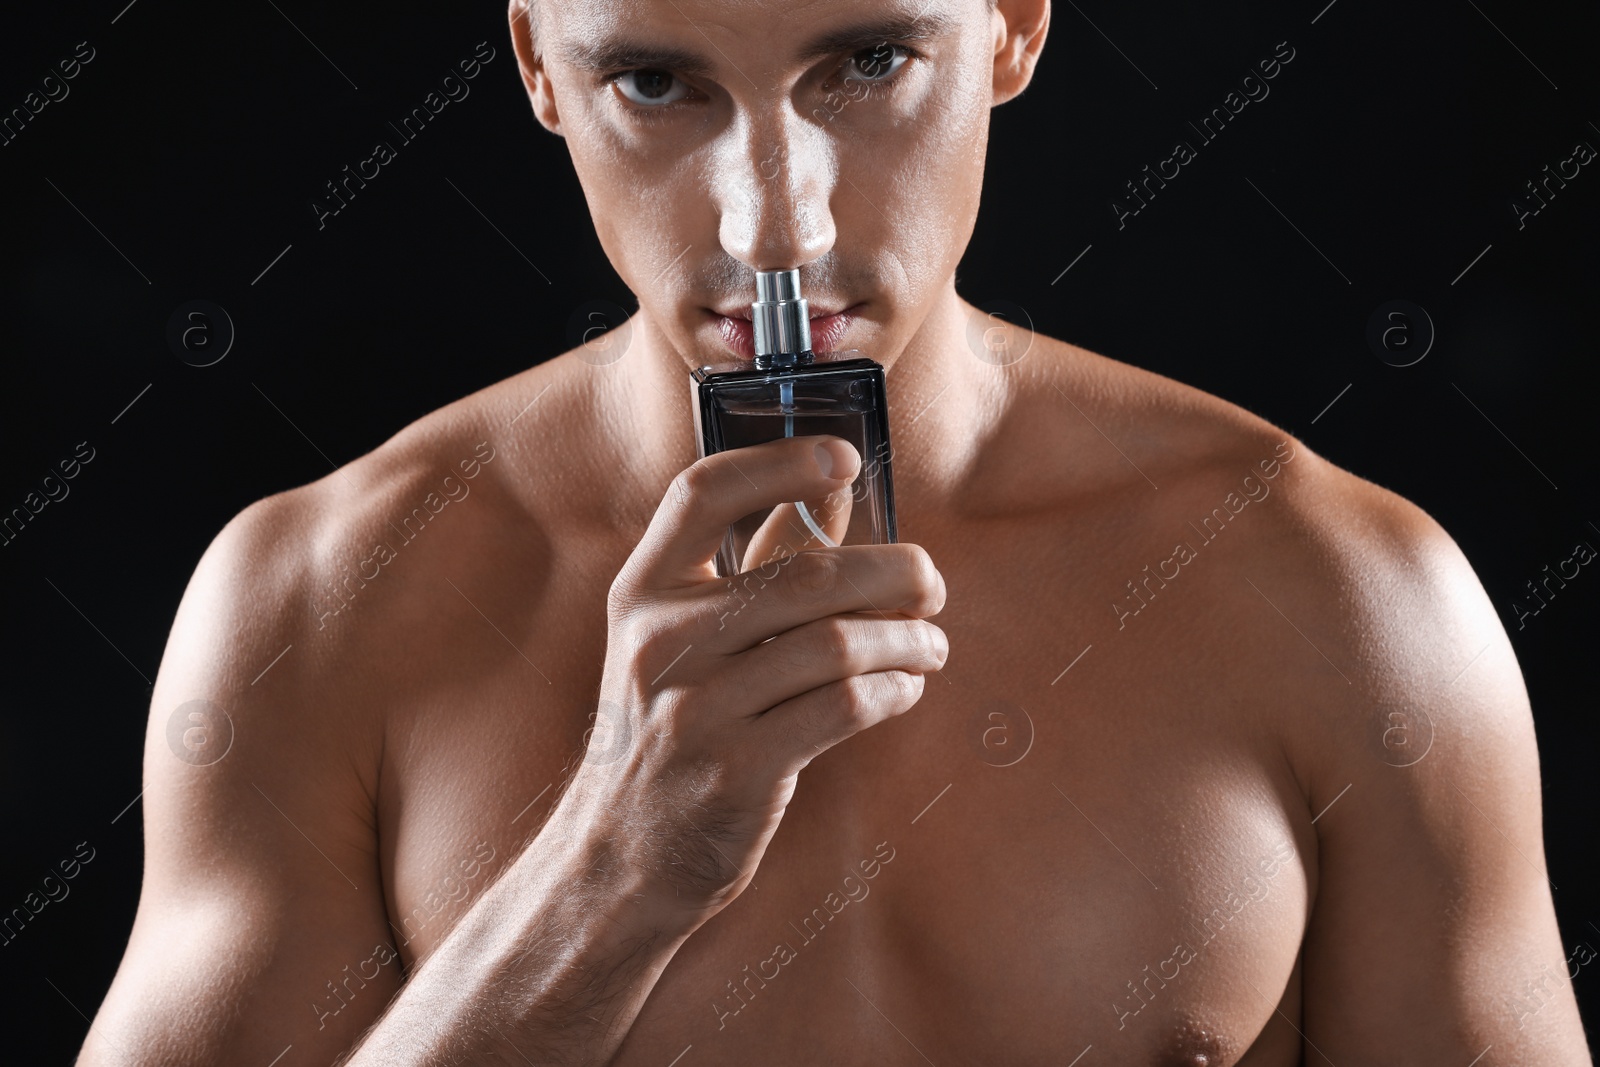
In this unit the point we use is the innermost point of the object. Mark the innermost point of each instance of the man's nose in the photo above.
(772, 188)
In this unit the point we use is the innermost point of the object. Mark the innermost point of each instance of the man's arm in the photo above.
(1433, 936)
(551, 966)
(261, 920)
(262, 928)
(555, 960)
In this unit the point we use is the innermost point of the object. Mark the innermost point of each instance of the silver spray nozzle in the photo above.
(781, 320)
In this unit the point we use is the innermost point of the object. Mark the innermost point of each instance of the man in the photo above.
(1217, 754)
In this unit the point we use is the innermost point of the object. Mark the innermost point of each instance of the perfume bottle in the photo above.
(790, 392)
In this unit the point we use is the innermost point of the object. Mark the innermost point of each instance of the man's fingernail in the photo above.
(836, 458)
(824, 459)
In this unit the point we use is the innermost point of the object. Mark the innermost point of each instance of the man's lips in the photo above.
(739, 335)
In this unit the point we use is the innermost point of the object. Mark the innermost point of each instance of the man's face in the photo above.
(717, 137)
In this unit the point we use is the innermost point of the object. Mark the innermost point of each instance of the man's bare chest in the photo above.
(1052, 851)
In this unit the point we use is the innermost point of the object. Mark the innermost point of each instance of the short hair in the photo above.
(530, 8)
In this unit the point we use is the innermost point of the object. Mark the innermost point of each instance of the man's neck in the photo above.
(943, 400)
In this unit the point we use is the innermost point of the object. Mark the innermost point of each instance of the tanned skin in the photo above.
(1207, 647)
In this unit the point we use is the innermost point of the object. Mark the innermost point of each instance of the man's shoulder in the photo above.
(460, 441)
(1345, 614)
(1334, 551)
(314, 554)
(1174, 438)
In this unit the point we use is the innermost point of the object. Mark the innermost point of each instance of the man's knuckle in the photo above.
(834, 641)
(853, 699)
(919, 572)
(812, 574)
(904, 687)
(690, 484)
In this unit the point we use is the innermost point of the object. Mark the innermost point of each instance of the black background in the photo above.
(198, 136)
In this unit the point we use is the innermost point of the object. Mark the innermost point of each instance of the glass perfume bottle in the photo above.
(789, 392)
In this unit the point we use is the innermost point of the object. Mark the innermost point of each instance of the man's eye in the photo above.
(650, 88)
(877, 63)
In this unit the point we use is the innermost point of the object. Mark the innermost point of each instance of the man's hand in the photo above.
(728, 688)
(709, 710)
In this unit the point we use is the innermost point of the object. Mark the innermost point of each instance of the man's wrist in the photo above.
(613, 873)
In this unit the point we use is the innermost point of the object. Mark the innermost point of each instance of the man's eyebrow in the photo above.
(617, 54)
(605, 56)
(866, 34)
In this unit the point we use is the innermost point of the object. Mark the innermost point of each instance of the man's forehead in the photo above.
(695, 36)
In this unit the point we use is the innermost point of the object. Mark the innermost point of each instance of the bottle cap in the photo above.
(781, 320)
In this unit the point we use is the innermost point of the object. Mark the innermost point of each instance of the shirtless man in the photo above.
(1215, 753)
